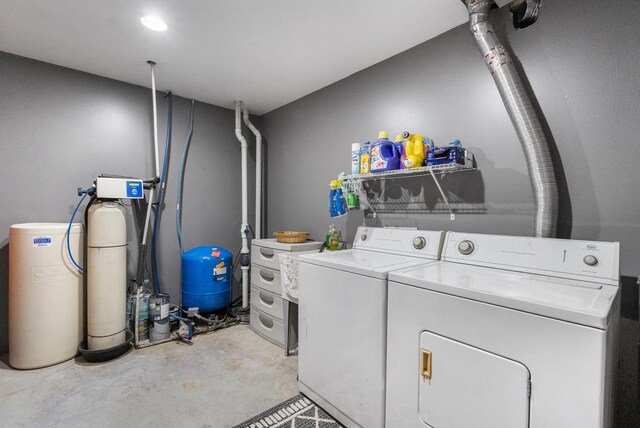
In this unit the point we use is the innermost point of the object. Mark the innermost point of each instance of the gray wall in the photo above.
(61, 128)
(582, 64)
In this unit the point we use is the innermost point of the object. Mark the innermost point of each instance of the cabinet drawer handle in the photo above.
(267, 276)
(266, 322)
(266, 299)
(267, 253)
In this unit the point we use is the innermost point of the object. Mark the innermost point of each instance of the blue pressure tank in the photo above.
(206, 278)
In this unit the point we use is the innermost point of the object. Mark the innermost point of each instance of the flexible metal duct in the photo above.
(523, 116)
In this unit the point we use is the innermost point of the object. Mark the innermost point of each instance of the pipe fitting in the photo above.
(245, 260)
(525, 12)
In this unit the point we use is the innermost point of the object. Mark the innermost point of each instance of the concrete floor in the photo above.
(225, 378)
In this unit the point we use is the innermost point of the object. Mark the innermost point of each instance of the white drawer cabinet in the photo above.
(266, 279)
(267, 306)
(267, 302)
(267, 326)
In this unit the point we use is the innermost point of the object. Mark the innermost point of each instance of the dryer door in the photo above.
(463, 386)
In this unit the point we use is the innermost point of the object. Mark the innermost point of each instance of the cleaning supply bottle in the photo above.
(332, 241)
(332, 200)
(414, 149)
(341, 201)
(327, 239)
(355, 158)
(365, 158)
(384, 156)
(400, 148)
(337, 201)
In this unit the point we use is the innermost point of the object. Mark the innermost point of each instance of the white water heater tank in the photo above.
(106, 275)
(46, 295)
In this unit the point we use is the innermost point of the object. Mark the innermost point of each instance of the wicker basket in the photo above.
(290, 236)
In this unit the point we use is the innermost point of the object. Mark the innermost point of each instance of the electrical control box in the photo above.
(119, 188)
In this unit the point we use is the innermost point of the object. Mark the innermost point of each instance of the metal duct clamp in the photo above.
(525, 12)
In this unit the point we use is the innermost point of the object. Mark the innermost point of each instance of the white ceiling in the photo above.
(265, 52)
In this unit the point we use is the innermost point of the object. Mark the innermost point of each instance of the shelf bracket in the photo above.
(444, 197)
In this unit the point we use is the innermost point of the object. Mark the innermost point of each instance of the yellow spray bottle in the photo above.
(414, 150)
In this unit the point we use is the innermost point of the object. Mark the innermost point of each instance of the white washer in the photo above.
(343, 318)
(505, 332)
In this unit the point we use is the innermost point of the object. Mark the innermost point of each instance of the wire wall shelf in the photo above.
(355, 182)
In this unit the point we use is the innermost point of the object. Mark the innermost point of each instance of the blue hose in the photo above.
(183, 164)
(186, 321)
(160, 200)
(86, 192)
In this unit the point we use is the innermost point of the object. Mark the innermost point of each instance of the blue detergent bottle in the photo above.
(384, 155)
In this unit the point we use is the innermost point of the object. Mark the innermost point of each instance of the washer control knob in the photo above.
(465, 247)
(363, 236)
(419, 242)
(590, 260)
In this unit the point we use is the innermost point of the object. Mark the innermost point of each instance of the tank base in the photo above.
(108, 354)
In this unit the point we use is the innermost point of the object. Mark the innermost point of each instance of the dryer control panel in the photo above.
(421, 243)
(567, 258)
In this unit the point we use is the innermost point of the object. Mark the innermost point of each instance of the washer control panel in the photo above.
(589, 260)
(421, 243)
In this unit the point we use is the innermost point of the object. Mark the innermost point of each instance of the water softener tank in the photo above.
(46, 296)
(206, 278)
(106, 276)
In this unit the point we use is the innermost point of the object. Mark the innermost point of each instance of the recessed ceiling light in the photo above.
(153, 23)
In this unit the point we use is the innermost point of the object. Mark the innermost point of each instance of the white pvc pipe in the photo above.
(258, 220)
(244, 228)
(155, 118)
(155, 175)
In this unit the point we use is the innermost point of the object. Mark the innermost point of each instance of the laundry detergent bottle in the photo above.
(400, 143)
(414, 150)
(384, 155)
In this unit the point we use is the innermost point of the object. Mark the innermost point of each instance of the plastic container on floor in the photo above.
(46, 296)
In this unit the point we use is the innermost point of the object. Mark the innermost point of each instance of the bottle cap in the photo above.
(454, 143)
(383, 134)
(355, 146)
(398, 138)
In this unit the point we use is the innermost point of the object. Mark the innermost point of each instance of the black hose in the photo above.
(160, 199)
(181, 171)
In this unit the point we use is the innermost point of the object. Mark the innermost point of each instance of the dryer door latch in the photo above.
(425, 364)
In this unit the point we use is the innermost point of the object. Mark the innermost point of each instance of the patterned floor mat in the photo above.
(296, 412)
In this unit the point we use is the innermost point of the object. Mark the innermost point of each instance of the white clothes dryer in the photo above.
(505, 332)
